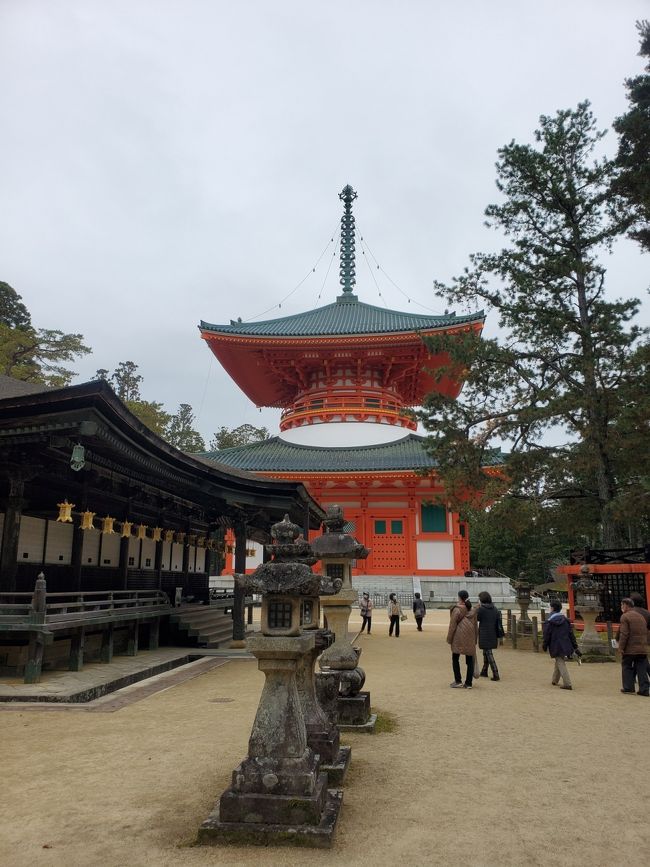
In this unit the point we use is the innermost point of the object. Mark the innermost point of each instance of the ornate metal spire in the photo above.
(347, 196)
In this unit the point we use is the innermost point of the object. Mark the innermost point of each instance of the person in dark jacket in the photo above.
(633, 644)
(419, 610)
(490, 630)
(559, 640)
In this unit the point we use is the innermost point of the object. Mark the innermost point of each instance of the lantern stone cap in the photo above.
(586, 582)
(334, 543)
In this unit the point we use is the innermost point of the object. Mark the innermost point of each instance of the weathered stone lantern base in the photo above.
(335, 759)
(216, 831)
(354, 713)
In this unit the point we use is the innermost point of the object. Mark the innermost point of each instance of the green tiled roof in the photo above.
(347, 315)
(278, 455)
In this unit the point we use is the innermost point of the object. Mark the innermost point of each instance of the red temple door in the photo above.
(388, 541)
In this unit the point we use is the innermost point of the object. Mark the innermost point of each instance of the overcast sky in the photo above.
(167, 161)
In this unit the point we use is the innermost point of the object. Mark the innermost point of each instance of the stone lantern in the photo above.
(523, 588)
(586, 598)
(279, 793)
(336, 550)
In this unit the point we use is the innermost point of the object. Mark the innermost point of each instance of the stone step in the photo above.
(215, 637)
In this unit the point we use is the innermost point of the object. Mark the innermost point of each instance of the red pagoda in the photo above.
(347, 377)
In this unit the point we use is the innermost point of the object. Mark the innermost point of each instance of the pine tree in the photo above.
(633, 158)
(34, 354)
(549, 385)
(226, 438)
(126, 381)
(181, 433)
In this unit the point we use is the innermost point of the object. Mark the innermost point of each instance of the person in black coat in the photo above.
(490, 630)
(559, 640)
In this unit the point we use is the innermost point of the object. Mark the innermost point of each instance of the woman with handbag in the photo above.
(490, 630)
(365, 607)
(395, 614)
(462, 637)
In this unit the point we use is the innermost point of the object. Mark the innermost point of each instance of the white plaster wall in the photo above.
(166, 556)
(253, 562)
(30, 540)
(177, 558)
(110, 550)
(59, 543)
(148, 553)
(345, 434)
(134, 552)
(435, 555)
(90, 547)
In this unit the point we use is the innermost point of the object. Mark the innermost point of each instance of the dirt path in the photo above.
(510, 773)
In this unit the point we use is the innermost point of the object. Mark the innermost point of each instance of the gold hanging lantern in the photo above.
(141, 531)
(65, 512)
(156, 534)
(169, 535)
(200, 541)
(107, 526)
(126, 529)
(87, 521)
(180, 537)
(191, 539)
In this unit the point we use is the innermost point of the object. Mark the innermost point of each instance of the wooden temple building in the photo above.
(347, 377)
(116, 520)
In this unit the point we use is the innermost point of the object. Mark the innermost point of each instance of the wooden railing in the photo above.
(48, 609)
(42, 615)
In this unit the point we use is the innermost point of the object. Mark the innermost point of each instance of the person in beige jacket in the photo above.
(462, 635)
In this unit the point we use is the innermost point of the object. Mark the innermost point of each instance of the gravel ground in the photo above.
(510, 773)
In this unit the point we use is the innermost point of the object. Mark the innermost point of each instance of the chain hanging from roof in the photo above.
(347, 272)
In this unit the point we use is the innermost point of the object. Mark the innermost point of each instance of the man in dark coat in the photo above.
(559, 640)
(633, 644)
(490, 630)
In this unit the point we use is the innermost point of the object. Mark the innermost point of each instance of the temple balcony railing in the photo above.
(359, 407)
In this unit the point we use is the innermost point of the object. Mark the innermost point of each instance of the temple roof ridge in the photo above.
(341, 317)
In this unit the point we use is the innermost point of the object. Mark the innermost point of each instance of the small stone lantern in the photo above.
(586, 597)
(523, 588)
(336, 550)
(279, 793)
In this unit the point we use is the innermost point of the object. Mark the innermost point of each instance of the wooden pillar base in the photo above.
(132, 644)
(154, 634)
(106, 652)
(34, 658)
(77, 642)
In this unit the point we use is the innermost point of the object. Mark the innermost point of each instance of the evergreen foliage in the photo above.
(633, 158)
(553, 384)
(226, 438)
(181, 432)
(34, 354)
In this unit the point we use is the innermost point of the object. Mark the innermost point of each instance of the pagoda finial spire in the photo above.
(347, 196)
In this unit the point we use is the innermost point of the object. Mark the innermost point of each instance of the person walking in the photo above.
(633, 644)
(365, 606)
(559, 640)
(419, 610)
(490, 630)
(395, 615)
(462, 638)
